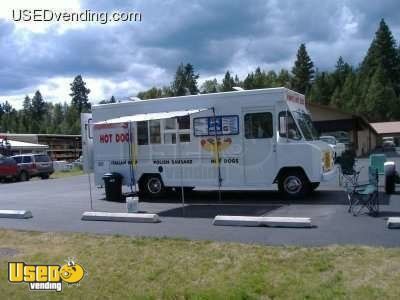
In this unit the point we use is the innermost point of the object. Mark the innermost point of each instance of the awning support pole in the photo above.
(181, 171)
(217, 155)
(88, 169)
(90, 192)
(132, 157)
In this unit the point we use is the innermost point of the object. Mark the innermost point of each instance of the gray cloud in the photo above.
(213, 35)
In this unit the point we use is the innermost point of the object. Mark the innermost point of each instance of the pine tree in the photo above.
(346, 97)
(58, 118)
(341, 70)
(38, 112)
(227, 83)
(79, 95)
(382, 53)
(185, 81)
(152, 93)
(27, 114)
(283, 79)
(9, 118)
(303, 71)
(237, 81)
(72, 120)
(271, 79)
(321, 89)
(209, 86)
(380, 101)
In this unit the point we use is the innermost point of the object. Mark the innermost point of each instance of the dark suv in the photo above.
(32, 165)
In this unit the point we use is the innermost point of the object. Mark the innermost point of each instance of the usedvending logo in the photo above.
(46, 277)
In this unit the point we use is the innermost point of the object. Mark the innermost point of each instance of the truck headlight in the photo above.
(327, 161)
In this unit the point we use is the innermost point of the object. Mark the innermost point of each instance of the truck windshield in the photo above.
(306, 125)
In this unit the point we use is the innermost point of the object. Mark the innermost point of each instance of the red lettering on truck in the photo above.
(106, 138)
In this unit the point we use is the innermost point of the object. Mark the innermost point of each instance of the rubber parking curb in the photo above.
(120, 217)
(289, 222)
(15, 214)
(393, 222)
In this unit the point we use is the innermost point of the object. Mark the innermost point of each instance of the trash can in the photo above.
(113, 186)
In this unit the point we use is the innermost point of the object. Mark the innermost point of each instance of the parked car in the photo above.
(34, 165)
(388, 143)
(341, 137)
(337, 147)
(8, 168)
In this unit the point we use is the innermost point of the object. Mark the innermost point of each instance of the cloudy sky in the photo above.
(122, 58)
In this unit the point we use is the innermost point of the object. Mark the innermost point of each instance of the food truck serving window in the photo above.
(142, 133)
(177, 127)
(258, 125)
(155, 131)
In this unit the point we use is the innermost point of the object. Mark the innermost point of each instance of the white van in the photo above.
(233, 140)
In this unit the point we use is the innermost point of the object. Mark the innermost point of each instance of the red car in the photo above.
(8, 168)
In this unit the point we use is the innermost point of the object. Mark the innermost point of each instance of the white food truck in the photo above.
(232, 140)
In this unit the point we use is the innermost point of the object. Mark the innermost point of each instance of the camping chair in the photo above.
(377, 161)
(365, 196)
(348, 175)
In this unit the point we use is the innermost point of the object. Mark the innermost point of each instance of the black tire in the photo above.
(23, 176)
(294, 184)
(390, 181)
(45, 176)
(152, 186)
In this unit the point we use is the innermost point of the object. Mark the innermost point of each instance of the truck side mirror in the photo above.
(89, 126)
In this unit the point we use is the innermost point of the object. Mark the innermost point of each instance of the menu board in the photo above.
(224, 125)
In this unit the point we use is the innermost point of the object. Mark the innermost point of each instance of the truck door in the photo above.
(259, 146)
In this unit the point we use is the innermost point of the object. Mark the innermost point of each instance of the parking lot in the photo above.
(57, 205)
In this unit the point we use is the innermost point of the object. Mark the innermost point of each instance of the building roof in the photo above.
(16, 145)
(386, 127)
(362, 122)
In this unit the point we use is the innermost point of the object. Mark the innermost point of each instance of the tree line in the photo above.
(39, 116)
(371, 89)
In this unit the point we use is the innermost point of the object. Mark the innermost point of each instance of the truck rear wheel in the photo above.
(294, 184)
(152, 186)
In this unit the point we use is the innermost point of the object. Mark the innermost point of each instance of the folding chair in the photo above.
(377, 161)
(348, 175)
(365, 196)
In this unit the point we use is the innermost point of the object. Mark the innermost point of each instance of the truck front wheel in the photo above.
(294, 185)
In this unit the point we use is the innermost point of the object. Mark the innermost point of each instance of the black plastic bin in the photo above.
(113, 186)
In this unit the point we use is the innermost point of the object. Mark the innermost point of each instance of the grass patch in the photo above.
(148, 268)
(67, 173)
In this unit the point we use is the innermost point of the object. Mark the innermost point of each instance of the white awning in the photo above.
(153, 116)
(17, 145)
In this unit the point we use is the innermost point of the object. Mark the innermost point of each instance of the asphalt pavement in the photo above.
(57, 205)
